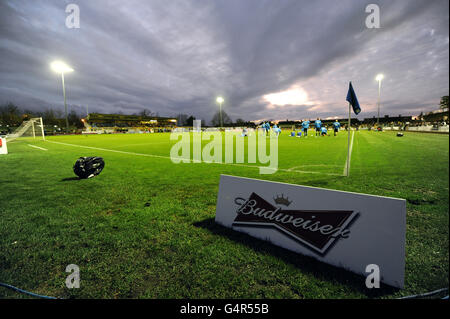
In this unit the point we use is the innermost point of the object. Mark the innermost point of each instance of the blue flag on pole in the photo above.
(353, 100)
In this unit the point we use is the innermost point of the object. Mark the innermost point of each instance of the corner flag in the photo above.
(353, 100)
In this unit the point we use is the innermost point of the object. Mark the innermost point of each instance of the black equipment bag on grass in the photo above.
(87, 167)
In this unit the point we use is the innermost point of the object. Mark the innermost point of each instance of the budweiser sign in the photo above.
(344, 229)
(317, 230)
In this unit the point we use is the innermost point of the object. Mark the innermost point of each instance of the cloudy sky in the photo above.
(269, 59)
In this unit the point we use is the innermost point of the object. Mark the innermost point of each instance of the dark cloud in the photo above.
(177, 56)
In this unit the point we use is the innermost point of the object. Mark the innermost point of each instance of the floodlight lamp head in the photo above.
(220, 100)
(60, 67)
(379, 77)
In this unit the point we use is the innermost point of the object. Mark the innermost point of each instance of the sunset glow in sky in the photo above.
(292, 96)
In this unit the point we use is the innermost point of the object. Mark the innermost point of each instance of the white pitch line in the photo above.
(349, 157)
(108, 150)
(127, 145)
(315, 165)
(41, 148)
(193, 161)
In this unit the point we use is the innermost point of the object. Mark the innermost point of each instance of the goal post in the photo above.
(32, 129)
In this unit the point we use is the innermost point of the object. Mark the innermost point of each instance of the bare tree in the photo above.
(10, 114)
(216, 119)
(444, 102)
(146, 113)
(190, 121)
(182, 119)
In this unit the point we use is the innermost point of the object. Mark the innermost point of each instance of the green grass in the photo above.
(144, 228)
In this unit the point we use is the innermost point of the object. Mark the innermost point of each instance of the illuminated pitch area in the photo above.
(145, 226)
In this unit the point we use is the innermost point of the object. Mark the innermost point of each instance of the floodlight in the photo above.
(60, 67)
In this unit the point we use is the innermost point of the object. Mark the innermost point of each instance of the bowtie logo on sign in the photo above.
(317, 230)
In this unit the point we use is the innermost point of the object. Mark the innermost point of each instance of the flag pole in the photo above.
(348, 143)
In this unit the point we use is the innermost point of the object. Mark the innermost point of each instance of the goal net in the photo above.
(32, 129)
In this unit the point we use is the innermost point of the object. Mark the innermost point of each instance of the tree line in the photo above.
(13, 115)
(186, 120)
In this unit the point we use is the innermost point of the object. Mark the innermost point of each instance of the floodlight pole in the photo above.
(220, 114)
(65, 104)
(379, 101)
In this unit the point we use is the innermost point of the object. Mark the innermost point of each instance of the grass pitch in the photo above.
(144, 228)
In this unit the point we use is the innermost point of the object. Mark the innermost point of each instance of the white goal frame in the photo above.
(35, 124)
